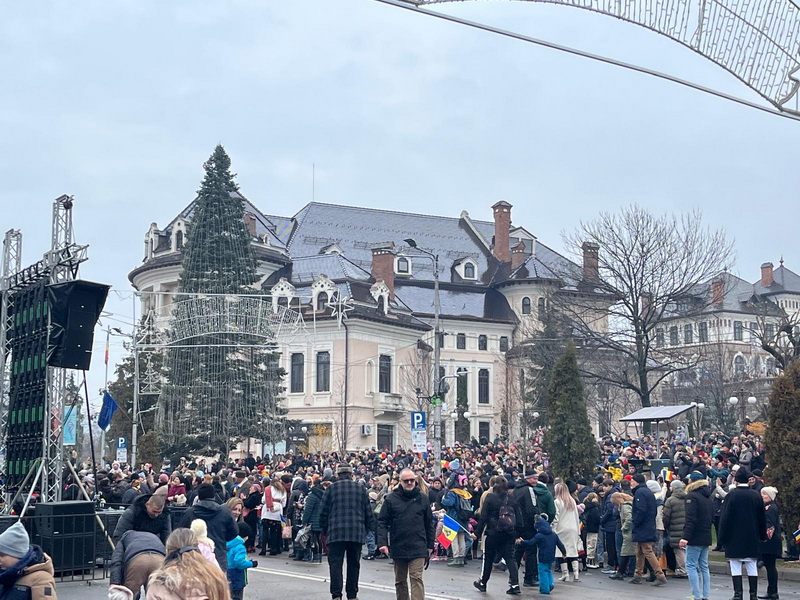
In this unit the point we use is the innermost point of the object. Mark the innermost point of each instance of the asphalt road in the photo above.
(277, 577)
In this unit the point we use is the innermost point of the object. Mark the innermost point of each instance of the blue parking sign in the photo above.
(419, 421)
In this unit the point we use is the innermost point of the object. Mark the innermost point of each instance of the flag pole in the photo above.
(105, 385)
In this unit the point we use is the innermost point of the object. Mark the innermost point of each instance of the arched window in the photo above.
(385, 374)
(382, 305)
(483, 386)
(469, 271)
(283, 301)
(402, 265)
(526, 306)
(540, 307)
(738, 366)
(322, 300)
(179, 240)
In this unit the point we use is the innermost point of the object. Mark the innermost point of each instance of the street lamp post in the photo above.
(742, 403)
(437, 352)
(699, 407)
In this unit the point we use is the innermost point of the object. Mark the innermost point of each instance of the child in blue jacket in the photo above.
(238, 562)
(547, 542)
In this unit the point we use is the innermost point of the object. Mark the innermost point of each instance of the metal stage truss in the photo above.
(32, 393)
(212, 361)
(757, 41)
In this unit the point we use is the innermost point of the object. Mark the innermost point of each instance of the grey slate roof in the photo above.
(784, 281)
(355, 229)
(306, 269)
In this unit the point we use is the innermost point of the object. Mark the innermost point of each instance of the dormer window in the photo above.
(403, 266)
(526, 306)
(469, 270)
(179, 240)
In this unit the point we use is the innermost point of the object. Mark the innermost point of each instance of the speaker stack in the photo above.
(28, 370)
(51, 325)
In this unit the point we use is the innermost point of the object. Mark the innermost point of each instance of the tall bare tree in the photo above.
(652, 267)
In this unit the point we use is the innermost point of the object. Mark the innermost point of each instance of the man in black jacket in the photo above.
(346, 517)
(533, 501)
(643, 531)
(697, 534)
(405, 532)
(219, 520)
(145, 514)
(742, 527)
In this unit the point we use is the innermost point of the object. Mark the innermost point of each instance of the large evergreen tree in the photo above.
(540, 356)
(223, 383)
(782, 442)
(569, 440)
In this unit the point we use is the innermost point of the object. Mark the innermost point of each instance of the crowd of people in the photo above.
(650, 510)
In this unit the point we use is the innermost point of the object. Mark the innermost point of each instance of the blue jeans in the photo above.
(601, 548)
(545, 577)
(371, 543)
(697, 569)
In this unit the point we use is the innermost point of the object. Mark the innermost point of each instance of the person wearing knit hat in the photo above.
(674, 519)
(742, 528)
(24, 567)
(771, 549)
(697, 534)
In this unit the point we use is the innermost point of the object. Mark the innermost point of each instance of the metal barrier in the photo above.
(79, 544)
(76, 543)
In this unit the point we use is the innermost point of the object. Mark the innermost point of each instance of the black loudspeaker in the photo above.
(75, 307)
(66, 531)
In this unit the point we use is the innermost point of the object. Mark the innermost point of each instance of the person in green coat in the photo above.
(674, 521)
(627, 561)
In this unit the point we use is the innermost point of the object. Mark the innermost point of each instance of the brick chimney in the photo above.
(502, 226)
(717, 292)
(250, 224)
(766, 274)
(383, 264)
(518, 255)
(591, 261)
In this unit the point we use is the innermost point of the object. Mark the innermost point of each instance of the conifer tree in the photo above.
(782, 442)
(569, 440)
(223, 384)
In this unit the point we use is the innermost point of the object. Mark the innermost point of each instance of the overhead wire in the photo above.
(409, 5)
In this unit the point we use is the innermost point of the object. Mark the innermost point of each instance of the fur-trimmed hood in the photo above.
(696, 485)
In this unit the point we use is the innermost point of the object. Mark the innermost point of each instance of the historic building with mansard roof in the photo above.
(355, 380)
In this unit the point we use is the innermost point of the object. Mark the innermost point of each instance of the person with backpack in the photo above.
(498, 518)
(457, 503)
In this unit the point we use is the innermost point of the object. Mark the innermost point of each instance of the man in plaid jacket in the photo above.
(346, 517)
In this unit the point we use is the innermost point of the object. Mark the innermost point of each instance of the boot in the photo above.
(564, 572)
(753, 585)
(737, 587)
(575, 570)
(317, 560)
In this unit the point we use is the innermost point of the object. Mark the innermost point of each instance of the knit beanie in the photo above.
(770, 491)
(205, 491)
(639, 478)
(14, 541)
(653, 486)
(742, 475)
(696, 476)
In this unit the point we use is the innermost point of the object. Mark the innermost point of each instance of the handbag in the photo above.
(286, 532)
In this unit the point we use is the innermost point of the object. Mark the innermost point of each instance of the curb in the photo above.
(721, 568)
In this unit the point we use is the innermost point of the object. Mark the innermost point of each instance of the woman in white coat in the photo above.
(567, 527)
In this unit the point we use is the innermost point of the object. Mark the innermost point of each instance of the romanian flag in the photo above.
(449, 532)
(666, 475)
(797, 536)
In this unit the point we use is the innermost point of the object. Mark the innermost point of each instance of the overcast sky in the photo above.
(119, 103)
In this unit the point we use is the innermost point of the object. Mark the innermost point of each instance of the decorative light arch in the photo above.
(757, 41)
